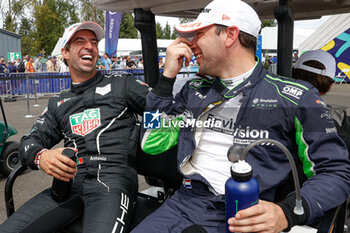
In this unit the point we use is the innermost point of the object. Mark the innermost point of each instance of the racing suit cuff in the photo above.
(31, 158)
(288, 205)
(164, 87)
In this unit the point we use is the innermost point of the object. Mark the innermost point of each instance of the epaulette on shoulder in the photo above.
(288, 88)
(117, 75)
(65, 91)
(199, 80)
(282, 80)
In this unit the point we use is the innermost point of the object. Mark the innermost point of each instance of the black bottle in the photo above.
(60, 189)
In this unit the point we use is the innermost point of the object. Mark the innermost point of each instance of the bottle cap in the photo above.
(69, 153)
(241, 171)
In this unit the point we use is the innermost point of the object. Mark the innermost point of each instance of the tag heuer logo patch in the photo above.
(85, 122)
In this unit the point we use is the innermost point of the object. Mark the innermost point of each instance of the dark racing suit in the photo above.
(98, 117)
(273, 107)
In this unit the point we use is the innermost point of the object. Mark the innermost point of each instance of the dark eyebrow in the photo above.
(82, 38)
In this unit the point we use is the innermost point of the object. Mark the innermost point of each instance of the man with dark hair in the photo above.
(130, 64)
(38, 66)
(12, 68)
(106, 62)
(318, 68)
(234, 100)
(3, 66)
(97, 119)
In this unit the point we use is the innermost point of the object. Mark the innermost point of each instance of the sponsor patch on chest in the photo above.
(85, 122)
(103, 90)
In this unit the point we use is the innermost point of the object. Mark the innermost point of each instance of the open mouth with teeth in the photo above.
(87, 58)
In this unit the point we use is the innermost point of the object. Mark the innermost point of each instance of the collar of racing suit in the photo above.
(81, 87)
(249, 82)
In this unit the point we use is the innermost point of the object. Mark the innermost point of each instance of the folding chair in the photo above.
(164, 169)
(340, 78)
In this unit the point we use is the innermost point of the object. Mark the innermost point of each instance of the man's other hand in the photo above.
(265, 217)
(55, 164)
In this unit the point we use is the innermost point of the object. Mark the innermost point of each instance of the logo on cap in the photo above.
(206, 10)
(191, 25)
(225, 17)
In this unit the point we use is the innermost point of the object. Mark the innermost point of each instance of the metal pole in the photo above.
(4, 135)
(145, 23)
(285, 21)
(35, 95)
(28, 107)
(6, 88)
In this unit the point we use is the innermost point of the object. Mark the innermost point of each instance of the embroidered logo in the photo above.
(225, 17)
(187, 183)
(59, 103)
(80, 161)
(85, 122)
(292, 91)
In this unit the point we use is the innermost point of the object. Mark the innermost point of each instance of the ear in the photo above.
(232, 33)
(65, 53)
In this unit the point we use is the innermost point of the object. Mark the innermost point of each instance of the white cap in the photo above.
(317, 55)
(224, 12)
(241, 166)
(72, 29)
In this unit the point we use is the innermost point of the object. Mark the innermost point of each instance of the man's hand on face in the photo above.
(175, 54)
(57, 165)
(265, 217)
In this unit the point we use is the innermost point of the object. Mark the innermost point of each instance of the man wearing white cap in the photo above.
(233, 100)
(96, 118)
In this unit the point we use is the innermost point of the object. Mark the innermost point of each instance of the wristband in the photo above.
(37, 157)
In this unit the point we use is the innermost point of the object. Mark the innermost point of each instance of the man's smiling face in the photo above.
(83, 53)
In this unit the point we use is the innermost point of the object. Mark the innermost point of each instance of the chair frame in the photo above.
(332, 222)
(342, 76)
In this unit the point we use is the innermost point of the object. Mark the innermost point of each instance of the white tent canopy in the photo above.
(330, 29)
(269, 39)
(125, 46)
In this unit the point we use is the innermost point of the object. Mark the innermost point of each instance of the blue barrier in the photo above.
(45, 82)
(55, 82)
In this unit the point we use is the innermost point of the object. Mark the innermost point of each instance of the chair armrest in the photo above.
(333, 220)
(10, 208)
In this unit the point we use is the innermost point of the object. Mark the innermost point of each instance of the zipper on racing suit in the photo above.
(99, 149)
(194, 129)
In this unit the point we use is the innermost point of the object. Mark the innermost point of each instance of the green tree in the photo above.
(159, 31)
(174, 34)
(51, 17)
(12, 16)
(127, 27)
(268, 23)
(91, 13)
(27, 39)
(167, 31)
(9, 23)
(186, 20)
